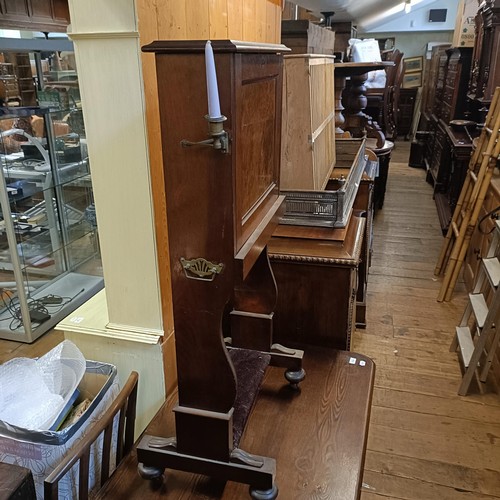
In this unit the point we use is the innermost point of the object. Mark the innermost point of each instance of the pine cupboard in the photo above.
(308, 118)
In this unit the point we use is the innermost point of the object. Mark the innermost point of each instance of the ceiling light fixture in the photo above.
(407, 6)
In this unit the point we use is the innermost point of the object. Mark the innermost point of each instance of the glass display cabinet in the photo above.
(49, 249)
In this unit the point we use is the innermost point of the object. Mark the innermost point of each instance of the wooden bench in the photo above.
(317, 436)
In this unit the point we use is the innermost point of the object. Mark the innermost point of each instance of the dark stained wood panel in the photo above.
(41, 9)
(35, 15)
(16, 8)
(257, 125)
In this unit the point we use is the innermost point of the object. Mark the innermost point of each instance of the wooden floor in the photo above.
(425, 442)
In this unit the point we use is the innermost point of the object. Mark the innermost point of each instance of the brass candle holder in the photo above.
(219, 138)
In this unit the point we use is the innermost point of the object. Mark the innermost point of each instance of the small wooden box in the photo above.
(308, 131)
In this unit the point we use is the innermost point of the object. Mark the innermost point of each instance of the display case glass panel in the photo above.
(49, 250)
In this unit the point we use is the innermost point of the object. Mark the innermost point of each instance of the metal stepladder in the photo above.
(467, 210)
(479, 331)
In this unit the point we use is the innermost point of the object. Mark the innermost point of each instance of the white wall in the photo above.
(417, 19)
(413, 44)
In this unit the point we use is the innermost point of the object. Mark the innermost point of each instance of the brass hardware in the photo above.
(219, 137)
(242, 457)
(281, 349)
(163, 443)
(200, 269)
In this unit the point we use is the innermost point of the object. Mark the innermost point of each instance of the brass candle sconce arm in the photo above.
(219, 138)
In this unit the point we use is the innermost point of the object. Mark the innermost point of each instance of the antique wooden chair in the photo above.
(125, 404)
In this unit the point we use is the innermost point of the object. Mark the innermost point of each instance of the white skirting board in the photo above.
(87, 328)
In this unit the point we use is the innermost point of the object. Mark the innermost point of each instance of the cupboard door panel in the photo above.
(17, 8)
(35, 15)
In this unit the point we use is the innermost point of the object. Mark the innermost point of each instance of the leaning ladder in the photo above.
(470, 201)
(478, 334)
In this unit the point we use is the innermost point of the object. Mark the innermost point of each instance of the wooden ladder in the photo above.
(478, 335)
(471, 199)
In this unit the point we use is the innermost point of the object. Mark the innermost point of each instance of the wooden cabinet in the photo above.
(344, 31)
(308, 132)
(304, 37)
(434, 81)
(25, 85)
(364, 206)
(486, 56)
(453, 102)
(35, 15)
(316, 270)
(223, 204)
(406, 107)
(449, 160)
(439, 168)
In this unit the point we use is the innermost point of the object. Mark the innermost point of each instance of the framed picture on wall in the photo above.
(413, 64)
(411, 80)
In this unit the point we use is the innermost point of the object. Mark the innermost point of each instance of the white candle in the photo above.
(212, 89)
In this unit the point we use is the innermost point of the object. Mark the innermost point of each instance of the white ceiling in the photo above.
(349, 10)
(360, 11)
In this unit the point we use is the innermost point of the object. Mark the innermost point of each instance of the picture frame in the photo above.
(413, 64)
(411, 80)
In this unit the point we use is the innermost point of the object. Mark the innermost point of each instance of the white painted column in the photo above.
(109, 69)
(123, 323)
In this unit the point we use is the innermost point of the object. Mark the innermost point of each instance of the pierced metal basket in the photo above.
(329, 208)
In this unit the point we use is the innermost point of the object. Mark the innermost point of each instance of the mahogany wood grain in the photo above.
(317, 282)
(215, 201)
(317, 437)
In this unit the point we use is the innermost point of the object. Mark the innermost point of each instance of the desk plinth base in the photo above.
(259, 475)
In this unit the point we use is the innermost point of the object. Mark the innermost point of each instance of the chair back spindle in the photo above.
(125, 404)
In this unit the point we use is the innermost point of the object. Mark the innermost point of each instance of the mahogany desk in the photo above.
(317, 435)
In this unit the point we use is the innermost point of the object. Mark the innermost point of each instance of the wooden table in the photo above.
(317, 435)
(16, 483)
(351, 100)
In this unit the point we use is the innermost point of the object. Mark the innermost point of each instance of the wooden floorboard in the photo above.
(425, 442)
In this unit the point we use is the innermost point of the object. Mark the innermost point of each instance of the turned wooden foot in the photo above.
(270, 494)
(294, 377)
(153, 474)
